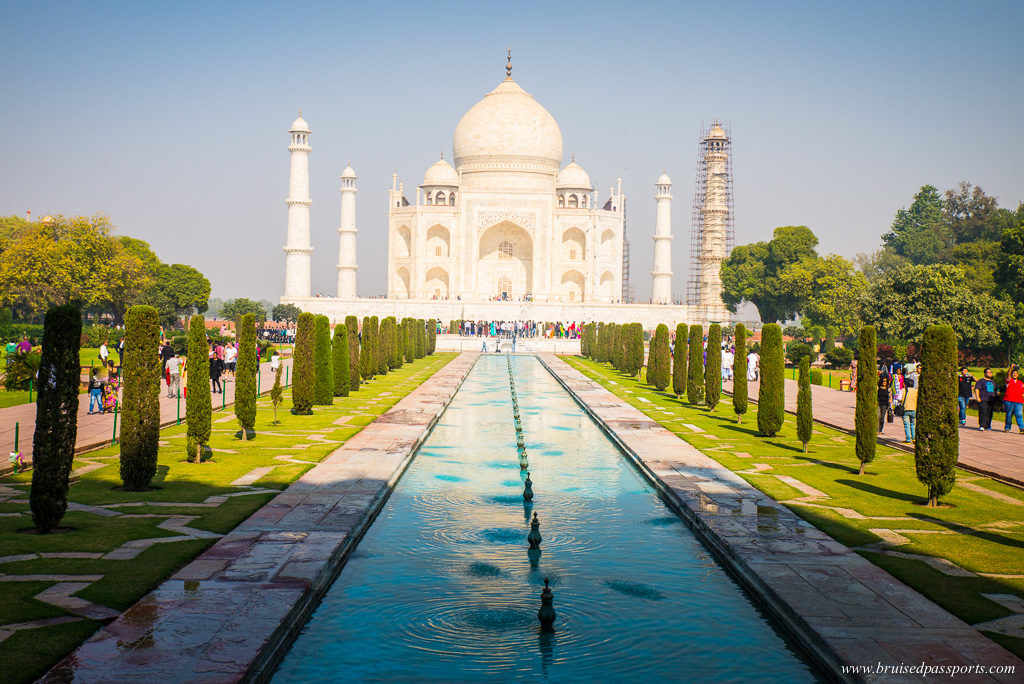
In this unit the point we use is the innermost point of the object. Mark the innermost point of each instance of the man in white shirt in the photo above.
(104, 353)
(727, 359)
(752, 365)
(174, 376)
(230, 358)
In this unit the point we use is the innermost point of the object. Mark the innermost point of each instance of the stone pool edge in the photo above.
(232, 612)
(875, 618)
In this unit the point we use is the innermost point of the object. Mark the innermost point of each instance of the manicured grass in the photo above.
(15, 398)
(308, 439)
(979, 531)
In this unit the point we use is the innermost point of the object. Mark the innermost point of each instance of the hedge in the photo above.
(140, 396)
(817, 378)
(198, 402)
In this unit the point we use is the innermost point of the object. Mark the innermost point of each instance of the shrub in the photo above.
(602, 343)
(421, 338)
(771, 392)
(352, 327)
(323, 391)
(339, 360)
(679, 361)
(198, 403)
(695, 380)
(409, 340)
(389, 342)
(866, 415)
(804, 415)
(661, 368)
(937, 442)
(22, 370)
(636, 348)
(838, 357)
(795, 351)
(378, 347)
(179, 343)
(713, 372)
(303, 368)
(431, 336)
(53, 443)
(816, 376)
(140, 412)
(739, 372)
(367, 362)
(245, 375)
(399, 346)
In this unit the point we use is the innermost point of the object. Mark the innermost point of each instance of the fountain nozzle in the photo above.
(546, 614)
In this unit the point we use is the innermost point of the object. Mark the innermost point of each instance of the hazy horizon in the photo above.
(173, 120)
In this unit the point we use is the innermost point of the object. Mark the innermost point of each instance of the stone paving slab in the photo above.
(840, 607)
(232, 612)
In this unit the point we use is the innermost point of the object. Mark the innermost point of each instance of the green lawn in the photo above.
(981, 529)
(306, 439)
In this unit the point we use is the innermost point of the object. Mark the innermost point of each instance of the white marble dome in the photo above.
(573, 176)
(299, 126)
(507, 122)
(441, 173)
(349, 172)
(663, 179)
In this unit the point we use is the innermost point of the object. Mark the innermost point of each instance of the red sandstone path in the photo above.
(993, 453)
(97, 430)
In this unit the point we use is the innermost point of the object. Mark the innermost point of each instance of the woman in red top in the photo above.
(1014, 400)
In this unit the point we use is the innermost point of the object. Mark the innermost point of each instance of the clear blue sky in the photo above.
(172, 118)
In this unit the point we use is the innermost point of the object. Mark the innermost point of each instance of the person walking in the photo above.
(95, 391)
(173, 376)
(883, 400)
(230, 354)
(1013, 397)
(104, 353)
(965, 391)
(120, 351)
(985, 394)
(909, 403)
(166, 352)
(215, 371)
(853, 374)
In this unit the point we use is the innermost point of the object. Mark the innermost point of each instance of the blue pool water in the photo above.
(442, 587)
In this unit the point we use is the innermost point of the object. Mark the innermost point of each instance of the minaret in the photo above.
(715, 218)
(347, 232)
(297, 249)
(662, 273)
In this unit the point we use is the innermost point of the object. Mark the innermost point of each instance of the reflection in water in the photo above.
(444, 587)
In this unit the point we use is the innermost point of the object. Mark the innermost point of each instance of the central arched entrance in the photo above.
(505, 268)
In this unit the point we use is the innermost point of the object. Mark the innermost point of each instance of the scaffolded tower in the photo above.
(627, 294)
(712, 234)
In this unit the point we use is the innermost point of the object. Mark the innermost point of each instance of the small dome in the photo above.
(349, 172)
(299, 125)
(663, 179)
(508, 123)
(573, 176)
(716, 131)
(441, 173)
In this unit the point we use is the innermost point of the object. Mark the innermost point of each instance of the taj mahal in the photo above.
(509, 233)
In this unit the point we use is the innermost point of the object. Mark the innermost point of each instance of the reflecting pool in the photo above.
(442, 586)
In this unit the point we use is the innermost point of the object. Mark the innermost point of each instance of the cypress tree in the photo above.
(245, 375)
(140, 413)
(602, 340)
(618, 360)
(399, 343)
(713, 374)
(804, 414)
(421, 338)
(637, 348)
(352, 328)
(583, 340)
(937, 442)
(367, 363)
(323, 392)
(830, 341)
(53, 442)
(431, 336)
(198, 403)
(866, 414)
(303, 366)
(771, 407)
(679, 361)
(652, 360)
(695, 379)
(339, 360)
(739, 373)
(661, 362)
(409, 339)
(378, 347)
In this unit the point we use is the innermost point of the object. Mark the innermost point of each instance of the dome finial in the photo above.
(508, 66)
(573, 157)
(442, 155)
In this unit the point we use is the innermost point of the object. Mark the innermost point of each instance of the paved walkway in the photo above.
(232, 612)
(841, 607)
(97, 430)
(994, 453)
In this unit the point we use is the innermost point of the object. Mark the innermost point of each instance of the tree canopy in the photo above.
(285, 313)
(236, 308)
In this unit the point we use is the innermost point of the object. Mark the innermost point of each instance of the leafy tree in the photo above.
(245, 376)
(679, 361)
(798, 350)
(830, 341)
(1009, 271)
(198, 403)
(754, 273)
(804, 415)
(53, 443)
(323, 392)
(661, 367)
(339, 360)
(937, 443)
(695, 381)
(739, 373)
(178, 291)
(839, 357)
(352, 326)
(972, 215)
(866, 415)
(921, 233)
(367, 359)
(978, 260)
(140, 414)
(277, 392)
(771, 392)
(234, 309)
(879, 264)
(303, 365)
(713, 372)
(285, 313)
(827, 291)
